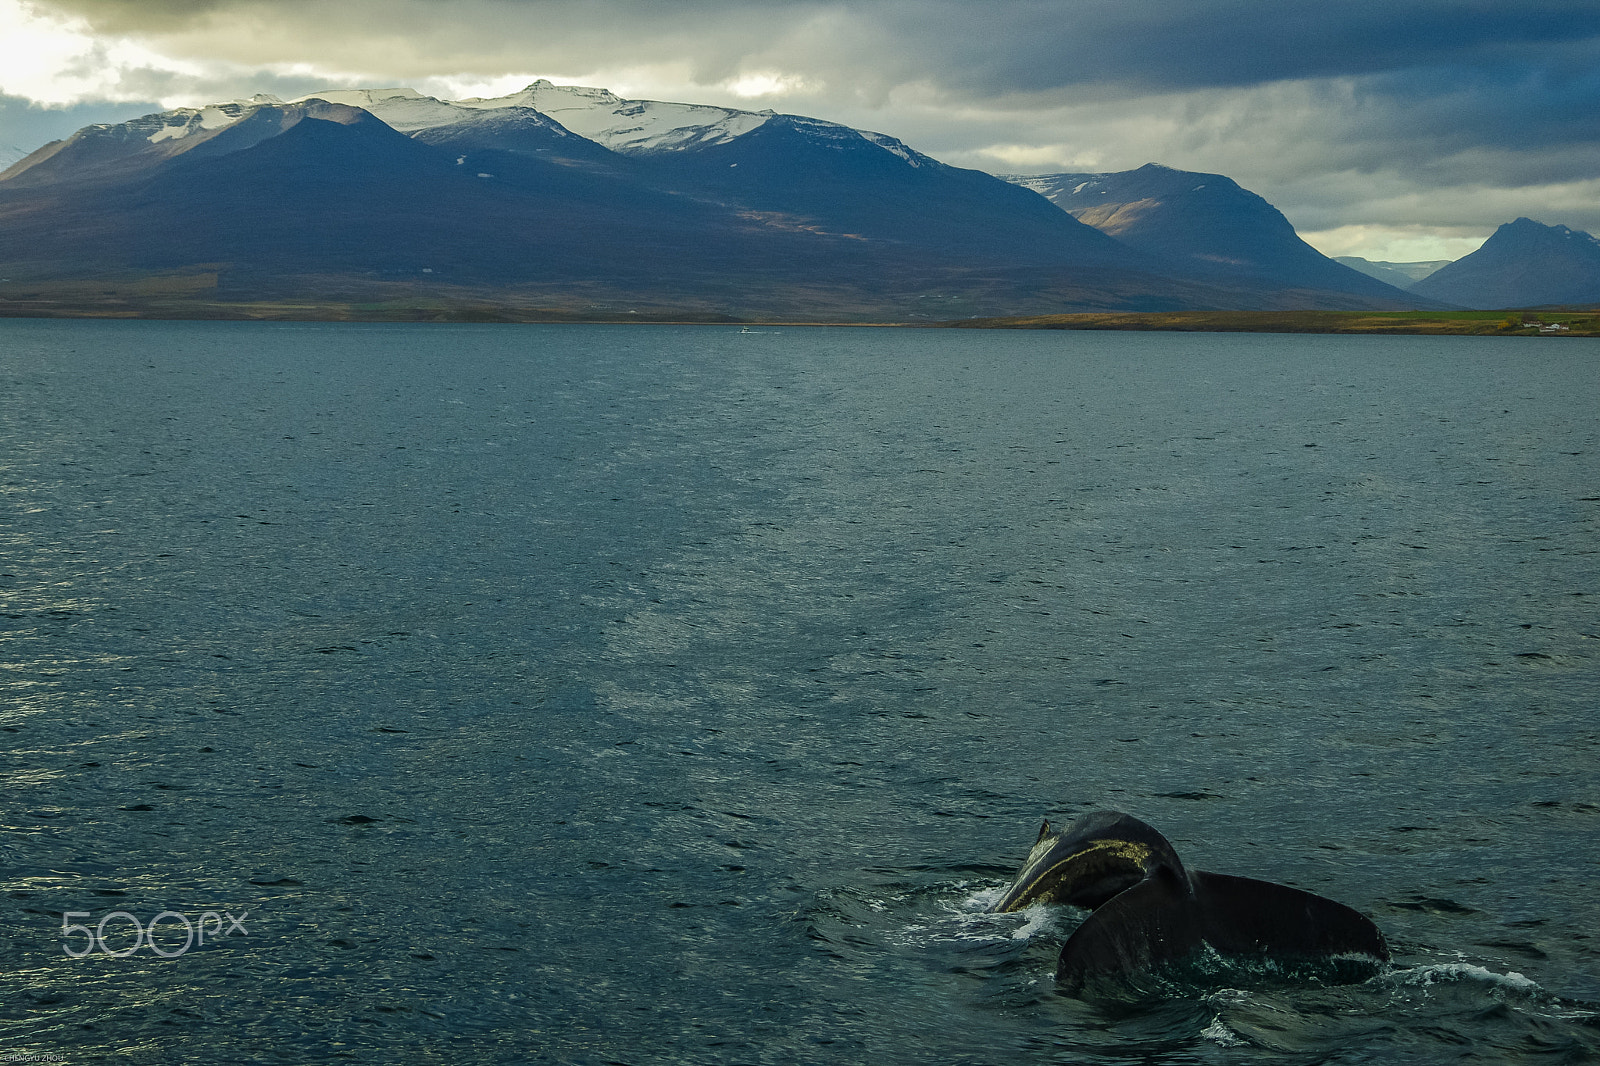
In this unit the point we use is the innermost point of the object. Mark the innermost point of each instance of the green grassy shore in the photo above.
(194, 296)
(1448, 323)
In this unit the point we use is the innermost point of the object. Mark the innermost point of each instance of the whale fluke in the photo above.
(1167, 918)
(1149, 910)
(1088, 862)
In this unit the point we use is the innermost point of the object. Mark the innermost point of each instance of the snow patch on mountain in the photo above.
(1051, 185)
(895, 146)
(185, 121)
(598, 114)
(630, 126)
(176, 125)
(405, 109)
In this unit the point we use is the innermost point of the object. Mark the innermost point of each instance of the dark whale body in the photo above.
(1149, 910)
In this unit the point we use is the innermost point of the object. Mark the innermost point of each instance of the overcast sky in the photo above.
(1393, 129)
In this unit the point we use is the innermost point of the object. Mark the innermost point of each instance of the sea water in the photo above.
(681, 694)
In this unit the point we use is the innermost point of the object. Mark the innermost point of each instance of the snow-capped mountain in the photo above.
(628, 127)
(576, 194)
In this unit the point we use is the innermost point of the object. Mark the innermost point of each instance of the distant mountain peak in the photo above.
(1524, 263)
(548, 89)
(1207, 221)
(1527, 228)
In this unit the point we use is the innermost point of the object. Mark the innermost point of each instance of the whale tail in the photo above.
(1168, 918)
(1149, 911)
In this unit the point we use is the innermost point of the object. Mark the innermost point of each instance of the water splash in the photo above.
(1441, 973)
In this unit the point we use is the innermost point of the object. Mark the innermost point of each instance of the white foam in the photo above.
(984, 898)
(969, 920)
(1039, 920)
(1219, 1033)
(1440, 973)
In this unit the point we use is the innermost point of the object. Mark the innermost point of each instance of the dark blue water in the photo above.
(590, 694)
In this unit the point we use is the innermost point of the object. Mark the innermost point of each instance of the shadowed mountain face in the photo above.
(755, 214)
(1524, 264)
(1207, 224)
(882, 190)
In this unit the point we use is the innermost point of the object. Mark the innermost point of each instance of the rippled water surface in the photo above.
(636, 694)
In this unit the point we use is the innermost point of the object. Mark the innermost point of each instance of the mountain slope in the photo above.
(1524, 264)
(1207, 223)
(518, 131)
(801, 172)
(787, 169)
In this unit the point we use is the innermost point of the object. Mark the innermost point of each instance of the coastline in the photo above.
(175, 303)
(1434, 323)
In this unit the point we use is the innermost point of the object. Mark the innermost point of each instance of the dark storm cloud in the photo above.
(1226, 43)
(1341, 112)
(1524, 103)
(996, 46)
